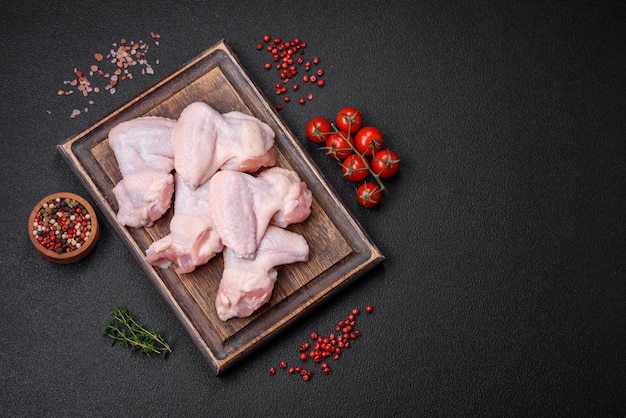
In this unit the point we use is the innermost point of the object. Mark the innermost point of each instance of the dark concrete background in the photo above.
(503, 289)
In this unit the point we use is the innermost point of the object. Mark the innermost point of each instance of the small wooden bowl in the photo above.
(75, 254)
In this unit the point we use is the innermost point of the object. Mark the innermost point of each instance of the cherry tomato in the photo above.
(317, 129)
(337, 145)
(349, 119)
(368, 140)
(368, 195)
(354, 168)
(385, 163)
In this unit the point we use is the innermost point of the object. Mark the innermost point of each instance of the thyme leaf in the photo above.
(123, 328)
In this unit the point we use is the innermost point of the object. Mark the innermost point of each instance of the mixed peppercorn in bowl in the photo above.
(63, 227)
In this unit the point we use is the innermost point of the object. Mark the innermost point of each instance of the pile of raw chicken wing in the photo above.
(219, 173)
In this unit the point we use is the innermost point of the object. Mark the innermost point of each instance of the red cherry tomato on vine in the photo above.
(385, 163)
(349, 119)
(317, 129)
(368, 140)
(354, 168)
(337, 145)
(369, 195)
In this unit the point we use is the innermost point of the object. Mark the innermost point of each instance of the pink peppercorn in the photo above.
(331, 346)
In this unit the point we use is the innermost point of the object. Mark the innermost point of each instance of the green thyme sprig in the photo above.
(123, 328)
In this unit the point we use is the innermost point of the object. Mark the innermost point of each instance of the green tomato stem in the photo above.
(373, 174)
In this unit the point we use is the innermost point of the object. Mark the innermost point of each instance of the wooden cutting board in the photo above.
(340, 250)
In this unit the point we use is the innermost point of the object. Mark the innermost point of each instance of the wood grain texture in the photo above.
(340, 251)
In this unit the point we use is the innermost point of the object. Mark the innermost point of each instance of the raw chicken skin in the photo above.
(243, 153)
(143, 150)
(143, 143)
(204, 141)
(194, 140)
(143, 197)
(243, 205)
(248, 284)
(297, 197)
(192, 240)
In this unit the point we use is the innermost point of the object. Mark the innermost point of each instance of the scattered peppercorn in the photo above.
(284, 54)
(321, 348)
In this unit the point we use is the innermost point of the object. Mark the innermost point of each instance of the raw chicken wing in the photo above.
(143, 150)
(248, 284)
(243, 205)
(143, 143)
(205, 140)
(143, 197)
(246, 144)
(192, 240)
